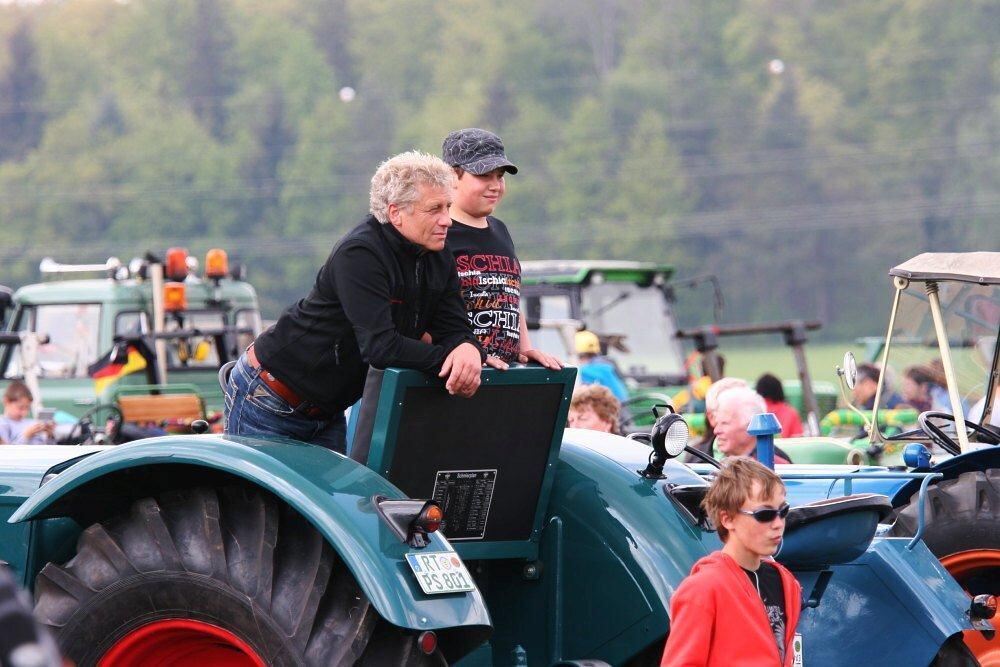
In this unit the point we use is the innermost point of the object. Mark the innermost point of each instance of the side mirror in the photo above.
(849, 371)
(848, 375)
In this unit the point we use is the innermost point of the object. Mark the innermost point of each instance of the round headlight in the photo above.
(671, 433)
(677, 437)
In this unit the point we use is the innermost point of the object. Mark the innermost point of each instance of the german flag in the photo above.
(119, 362)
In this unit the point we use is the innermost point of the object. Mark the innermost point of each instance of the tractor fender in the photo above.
(609, 528)
(979, 460)
(332, 492)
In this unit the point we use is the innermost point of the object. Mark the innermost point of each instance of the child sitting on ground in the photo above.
(738, 606)
(15, 426)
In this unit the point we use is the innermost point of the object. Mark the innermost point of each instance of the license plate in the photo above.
(440, 572)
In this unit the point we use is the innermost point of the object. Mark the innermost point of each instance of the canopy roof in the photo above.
(969, 267)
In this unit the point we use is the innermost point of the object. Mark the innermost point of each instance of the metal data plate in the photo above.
(440, 572)
(465, 496)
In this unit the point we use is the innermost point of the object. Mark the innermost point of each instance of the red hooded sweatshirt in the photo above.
(717, 618)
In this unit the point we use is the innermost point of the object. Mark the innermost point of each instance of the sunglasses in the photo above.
(766, 514)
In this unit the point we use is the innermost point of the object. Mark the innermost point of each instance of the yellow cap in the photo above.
(700, 387)
(587, 343)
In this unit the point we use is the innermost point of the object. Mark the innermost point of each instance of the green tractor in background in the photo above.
(631, 307)
(141, 343)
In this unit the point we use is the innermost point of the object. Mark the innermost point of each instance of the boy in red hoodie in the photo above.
(738, 606)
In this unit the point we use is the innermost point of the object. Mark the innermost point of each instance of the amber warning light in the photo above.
(216, 263)
(177, 268)
(174, 297)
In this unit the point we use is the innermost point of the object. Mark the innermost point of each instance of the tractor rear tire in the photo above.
(962, 528)
(201, 576)
(962, 514)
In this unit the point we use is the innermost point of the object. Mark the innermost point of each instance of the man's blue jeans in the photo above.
(253, 409)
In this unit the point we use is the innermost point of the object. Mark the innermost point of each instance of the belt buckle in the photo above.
(315, 411)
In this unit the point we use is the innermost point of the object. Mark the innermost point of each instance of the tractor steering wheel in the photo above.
(937, 434)
(629, 417)
(84, 431)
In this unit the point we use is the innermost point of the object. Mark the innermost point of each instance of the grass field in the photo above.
(751, 362)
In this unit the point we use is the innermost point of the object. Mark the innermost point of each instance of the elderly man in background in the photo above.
(732, 417)
(386, 284)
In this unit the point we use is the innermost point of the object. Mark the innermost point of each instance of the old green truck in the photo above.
(89, 333)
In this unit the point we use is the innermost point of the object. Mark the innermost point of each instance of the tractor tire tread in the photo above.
(962, 513)
(298, 602)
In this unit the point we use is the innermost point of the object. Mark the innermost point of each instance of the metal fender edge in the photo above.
(332, 492)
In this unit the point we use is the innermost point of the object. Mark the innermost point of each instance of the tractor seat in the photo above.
(831, 531)
(224, 372)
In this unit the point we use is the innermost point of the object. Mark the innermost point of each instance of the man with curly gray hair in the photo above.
(386, 286)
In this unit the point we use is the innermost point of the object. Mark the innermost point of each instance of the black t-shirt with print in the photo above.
(767, 581)
(490, 276)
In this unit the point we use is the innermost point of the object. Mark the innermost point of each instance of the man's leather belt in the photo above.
(280, 388)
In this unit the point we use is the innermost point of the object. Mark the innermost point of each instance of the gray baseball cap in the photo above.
(476, 151)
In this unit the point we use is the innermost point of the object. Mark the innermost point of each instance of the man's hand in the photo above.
(462, 367)
(543, 358)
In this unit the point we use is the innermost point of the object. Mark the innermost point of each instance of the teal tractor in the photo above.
(475, 532)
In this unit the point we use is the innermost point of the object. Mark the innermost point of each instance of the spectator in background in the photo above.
(595, 368)
(770, 389)
(924, 388)
(866, 385)
(594, 407)
(715, 392)
(711, 406)
(16, 428)
(736, 407)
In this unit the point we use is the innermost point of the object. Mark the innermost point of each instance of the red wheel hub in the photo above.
(961, 566)
(180, 642)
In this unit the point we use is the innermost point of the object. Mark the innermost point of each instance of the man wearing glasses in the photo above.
(739, 606)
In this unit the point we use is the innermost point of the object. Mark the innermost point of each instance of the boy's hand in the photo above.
(496, 362)
(32, 430)
(462, 367)
(543, 358)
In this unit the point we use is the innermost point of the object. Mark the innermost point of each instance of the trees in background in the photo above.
(797, 149)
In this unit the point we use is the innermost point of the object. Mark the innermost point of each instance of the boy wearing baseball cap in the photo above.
(488, 270)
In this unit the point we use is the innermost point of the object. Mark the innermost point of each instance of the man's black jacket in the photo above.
(374, 297)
